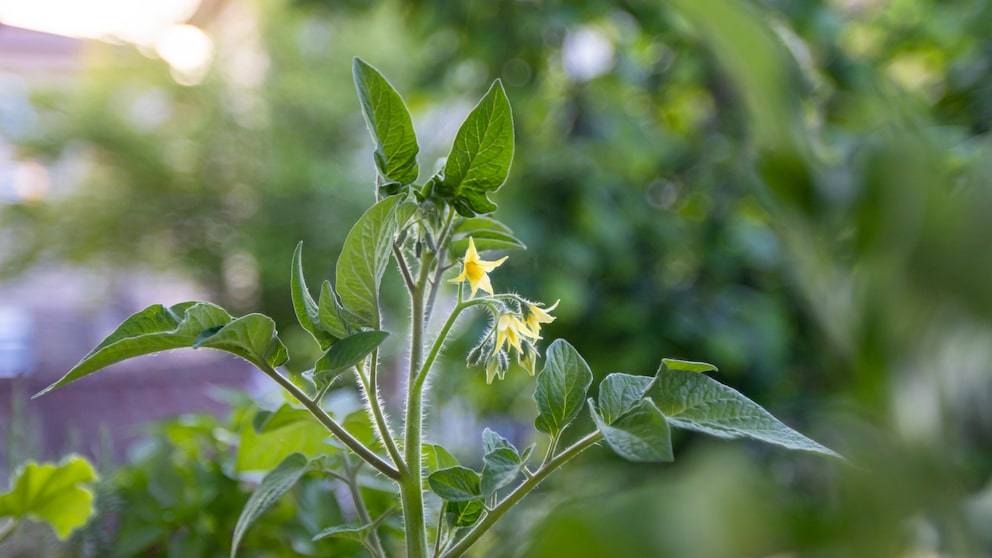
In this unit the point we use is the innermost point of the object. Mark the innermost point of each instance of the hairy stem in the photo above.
(411, 483)
(330, 424)
(442, 335)
(372, 394)
(442, 249)
(518, 494)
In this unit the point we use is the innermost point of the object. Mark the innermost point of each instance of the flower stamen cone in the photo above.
(476, 270)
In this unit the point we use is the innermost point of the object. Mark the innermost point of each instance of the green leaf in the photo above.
(357, 534)
(473, 225)
(260, 420)
(251, 337)
(502, 465)
(154, 329)
(273, 486)
(455, 484)
(688, 365)
(347, 353)
(53, 493)
(618, 393)
(561, 387)
(697, 402)
(389, 123)
(307, 311)
(436, 457)
(492, 441)
(486, 241)
(286, 431)
(359, 425)
(641, 434)
(363, 261)
(480, 157)
(463, 514)
(329, 312)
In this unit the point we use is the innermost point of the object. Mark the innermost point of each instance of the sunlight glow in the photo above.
(153, 25)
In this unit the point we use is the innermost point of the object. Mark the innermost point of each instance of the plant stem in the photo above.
(442, 335)
(372, 394)
(411, 481)
(375, 545)
(442, 249)
(518, 494)
(330, 424)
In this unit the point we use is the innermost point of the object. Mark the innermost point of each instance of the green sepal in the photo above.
(697, 402)
(561, 387)
(307, 311)
(389, 123)
(641, 434)
(480, 158)
(54, 493)
(455, 484)
(273, 486)
(346, 353)
(151, 330)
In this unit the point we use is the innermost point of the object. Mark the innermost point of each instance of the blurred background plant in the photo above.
(796, 191)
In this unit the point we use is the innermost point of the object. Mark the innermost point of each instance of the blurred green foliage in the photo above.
(796, 191)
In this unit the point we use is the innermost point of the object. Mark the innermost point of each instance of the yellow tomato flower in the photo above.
(509, 329)
(476, 270)
(537, 316)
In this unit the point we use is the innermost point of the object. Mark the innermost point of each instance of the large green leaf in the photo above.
(561, 387)
(329, 312)
(697, 402)
(53, 493)
(480, 157)
(641, 434)
(307, 311)
(502, 466)
(389, 123)
(619, 393)
(455, 484)
(273, 486)
(435, 457)
(251, 337)
(275, 436)
(363, 261)
(347, 353)
(154, 329)
(488, 233)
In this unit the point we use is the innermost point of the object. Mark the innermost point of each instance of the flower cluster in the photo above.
(516, 321)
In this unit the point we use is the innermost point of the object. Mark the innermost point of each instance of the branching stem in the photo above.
(330, 424)
(485, 523)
